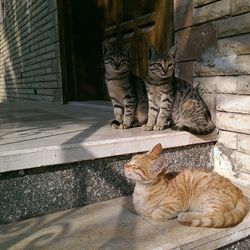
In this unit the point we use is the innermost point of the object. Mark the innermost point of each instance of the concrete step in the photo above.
(38, 191)
(35, 134)
(113, 224)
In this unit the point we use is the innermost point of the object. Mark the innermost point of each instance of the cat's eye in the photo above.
(171, 65)
(158, 65)
(123, 61)
(111, 60)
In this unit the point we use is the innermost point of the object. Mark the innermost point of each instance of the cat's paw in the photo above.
(181, 217)
(158, 127)
(186, 220)
(123, 126)
(115, 124)
(147, 127)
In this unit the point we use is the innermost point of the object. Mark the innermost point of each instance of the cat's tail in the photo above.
(196, 129)
(217, 220)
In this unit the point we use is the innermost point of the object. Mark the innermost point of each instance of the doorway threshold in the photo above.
(101, 105)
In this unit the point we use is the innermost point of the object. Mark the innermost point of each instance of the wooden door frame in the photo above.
(66, 45)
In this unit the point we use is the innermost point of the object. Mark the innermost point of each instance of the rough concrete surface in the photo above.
(243, 244)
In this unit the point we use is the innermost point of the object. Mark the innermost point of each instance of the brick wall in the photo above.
(29, 52)
(214, 54)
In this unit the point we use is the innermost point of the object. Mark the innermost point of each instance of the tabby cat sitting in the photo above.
(127, 91)
(173, 100)
(198, 198)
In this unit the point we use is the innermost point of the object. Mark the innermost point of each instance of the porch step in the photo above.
(113, 224)
(38, 191)
(35, 134)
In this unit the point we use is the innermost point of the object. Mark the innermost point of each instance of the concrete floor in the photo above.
(37, 134)
(114, 225)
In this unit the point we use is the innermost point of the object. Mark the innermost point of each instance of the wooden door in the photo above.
(140, 23)
(84, 25)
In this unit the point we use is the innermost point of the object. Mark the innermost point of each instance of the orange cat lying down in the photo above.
(198, 198)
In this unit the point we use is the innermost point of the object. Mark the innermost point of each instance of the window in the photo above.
(2, 10)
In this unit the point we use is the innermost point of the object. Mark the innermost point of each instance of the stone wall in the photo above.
(29, 52)
(214, 54)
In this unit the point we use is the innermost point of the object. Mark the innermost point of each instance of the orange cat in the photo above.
(198, 198)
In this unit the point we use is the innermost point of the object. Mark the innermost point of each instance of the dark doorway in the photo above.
(84, 25)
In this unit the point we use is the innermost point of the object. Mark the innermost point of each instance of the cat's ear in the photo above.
(105, 47)
(159, 164)
(157, 149)
(152, 52)
(172, 51)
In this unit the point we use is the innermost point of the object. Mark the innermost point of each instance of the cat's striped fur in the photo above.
(173, 100)
(127, 91)
(198, 198)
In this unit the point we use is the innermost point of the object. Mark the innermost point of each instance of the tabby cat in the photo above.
(127, 91)
(173, 100)
(198, 198)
